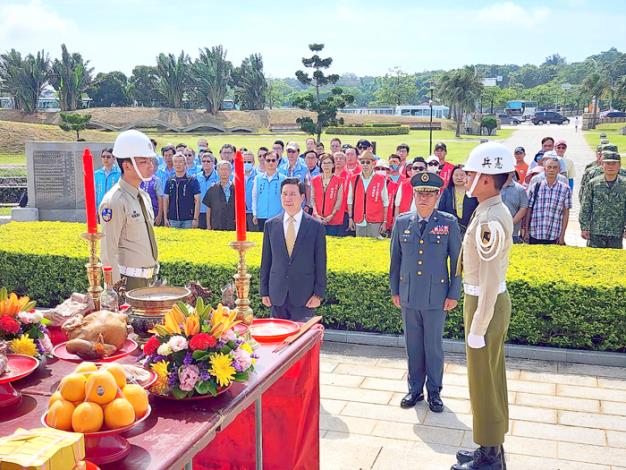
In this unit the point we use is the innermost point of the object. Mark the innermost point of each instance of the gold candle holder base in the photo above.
(94, 267)
(242, 283)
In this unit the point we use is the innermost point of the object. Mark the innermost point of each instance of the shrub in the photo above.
(367, 130)
(562, 296)
(489, 123)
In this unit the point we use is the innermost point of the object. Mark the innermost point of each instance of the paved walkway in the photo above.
(563, 416)
(529, 137)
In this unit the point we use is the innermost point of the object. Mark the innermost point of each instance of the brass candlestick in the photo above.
(94, 267)
(242, 283)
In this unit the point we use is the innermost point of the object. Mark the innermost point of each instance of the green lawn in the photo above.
(5, 210)
(12, 159)
(613, 134)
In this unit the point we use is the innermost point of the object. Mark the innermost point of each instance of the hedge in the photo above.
(562, 296)
(367, 130)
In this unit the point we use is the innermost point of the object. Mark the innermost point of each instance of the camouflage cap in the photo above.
(609, 148)
(603, 135)
(598, 147)
(604, 141)
(609, 156)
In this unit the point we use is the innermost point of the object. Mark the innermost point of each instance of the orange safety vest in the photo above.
(406, 197)
(325, 200)
(368, 205)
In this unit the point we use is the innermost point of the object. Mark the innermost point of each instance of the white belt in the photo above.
(475, 290)
(144, 273)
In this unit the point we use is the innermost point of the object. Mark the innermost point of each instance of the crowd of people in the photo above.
(354, 192)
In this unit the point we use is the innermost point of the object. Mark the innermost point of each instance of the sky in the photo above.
(365, 37)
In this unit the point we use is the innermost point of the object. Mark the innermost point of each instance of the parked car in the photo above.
(613, 114)
(549, 117)
(512, 120)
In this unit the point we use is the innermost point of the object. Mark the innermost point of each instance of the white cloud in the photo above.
(32, 24)
(510, 13)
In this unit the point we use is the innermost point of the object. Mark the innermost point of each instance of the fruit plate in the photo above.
(271, 330)
(106, 446)
(19, 366)
(194, 398)
(127, 348)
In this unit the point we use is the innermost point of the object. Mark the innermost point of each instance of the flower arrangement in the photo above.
(196, 351)
(22, 327)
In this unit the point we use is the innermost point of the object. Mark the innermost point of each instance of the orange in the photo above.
(137, 397)
(86, 367)
(119, 413)
(55, 396)
(87, 417)
(60, 415)
(72, 387)
(118, 374)
(101, 387)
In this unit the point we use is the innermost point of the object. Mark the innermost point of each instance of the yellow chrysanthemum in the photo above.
(24, 345)
(222, 369)
(162, 382)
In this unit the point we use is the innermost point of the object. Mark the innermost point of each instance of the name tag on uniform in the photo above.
(440, 230)
(135, 214)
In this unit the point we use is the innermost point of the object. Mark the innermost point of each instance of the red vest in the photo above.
(406, 197)
(392, 189)
(325, 200)
(369, 205)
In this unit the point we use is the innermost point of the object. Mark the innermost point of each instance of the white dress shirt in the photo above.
(298, 220)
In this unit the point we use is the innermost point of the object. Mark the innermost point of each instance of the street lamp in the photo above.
(430, 103)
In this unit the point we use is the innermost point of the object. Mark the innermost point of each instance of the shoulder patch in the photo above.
(107, 214)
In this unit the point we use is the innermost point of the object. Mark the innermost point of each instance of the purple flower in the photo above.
(188, 376)
(204, 375)
(188, 358)
(242, 361)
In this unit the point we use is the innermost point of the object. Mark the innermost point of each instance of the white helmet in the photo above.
(490, 158)
(131, 144)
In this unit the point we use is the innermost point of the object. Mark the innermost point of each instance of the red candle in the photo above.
(240, 198)
(90, 192)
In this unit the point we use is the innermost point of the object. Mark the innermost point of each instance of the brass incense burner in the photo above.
(148, 306)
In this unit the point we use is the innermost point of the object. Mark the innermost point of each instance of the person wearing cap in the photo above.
(294, 165)
(404, 200)
(422, 243)
(537, 173)
(521, 167)
(433, 165)
(487, 305)
(547, 145)
(597, 169)
(368, 200)
(129, 245)
(560, 147)
(603, 211)
(364, 145)
(445, 168)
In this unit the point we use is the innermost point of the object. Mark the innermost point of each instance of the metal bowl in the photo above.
(156, 299)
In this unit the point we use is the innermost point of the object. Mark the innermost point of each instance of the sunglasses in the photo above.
(292, 151)
(365, 162)
(561, 146)
(433, 164)
(418, 168)
(270, 160)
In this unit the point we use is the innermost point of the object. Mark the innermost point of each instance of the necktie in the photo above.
(422, 227)
(153, 245)
(290, 237)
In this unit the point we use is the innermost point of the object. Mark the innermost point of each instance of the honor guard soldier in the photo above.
(129, 245)
(422, 242)
(487, 305)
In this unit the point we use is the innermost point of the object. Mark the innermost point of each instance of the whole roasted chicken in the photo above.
(3, 357)
(97, 335)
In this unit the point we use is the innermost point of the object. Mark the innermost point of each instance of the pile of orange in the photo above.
(92, 399)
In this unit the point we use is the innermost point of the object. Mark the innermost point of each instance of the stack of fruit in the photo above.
(93, 399)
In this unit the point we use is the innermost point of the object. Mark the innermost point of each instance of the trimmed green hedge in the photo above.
(367, 130)
(562, 296)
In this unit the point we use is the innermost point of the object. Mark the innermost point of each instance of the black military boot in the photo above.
(410, 399)
(464, 456)
(484, 458)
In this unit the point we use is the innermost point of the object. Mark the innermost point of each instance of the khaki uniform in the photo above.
(487, 312)
(127, 224)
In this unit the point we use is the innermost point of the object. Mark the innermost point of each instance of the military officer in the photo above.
(597, 169)
(603, 212)
(487, 305)
(129, 245)
(422, 242)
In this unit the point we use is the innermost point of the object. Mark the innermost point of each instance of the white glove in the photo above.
(475, 341)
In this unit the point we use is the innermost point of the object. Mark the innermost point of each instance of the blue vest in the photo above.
(268, 195)
(205, 184)
(249, 185)
(105, 182)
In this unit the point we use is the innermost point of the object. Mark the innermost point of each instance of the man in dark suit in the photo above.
(293, 263)
(422, 242)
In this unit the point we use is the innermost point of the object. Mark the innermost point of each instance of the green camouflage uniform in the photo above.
(594, 169)
(603, 212)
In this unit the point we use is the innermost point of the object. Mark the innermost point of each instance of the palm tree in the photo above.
(461, 88)
(250, 85)
(173, 78)
(594, 86)
(211, 74)
(71, 77)
(24, 79)
(11, 74)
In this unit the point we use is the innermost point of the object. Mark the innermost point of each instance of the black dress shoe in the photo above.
(464, 456)
(410, 399)
(434, 402)
(484, 458)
